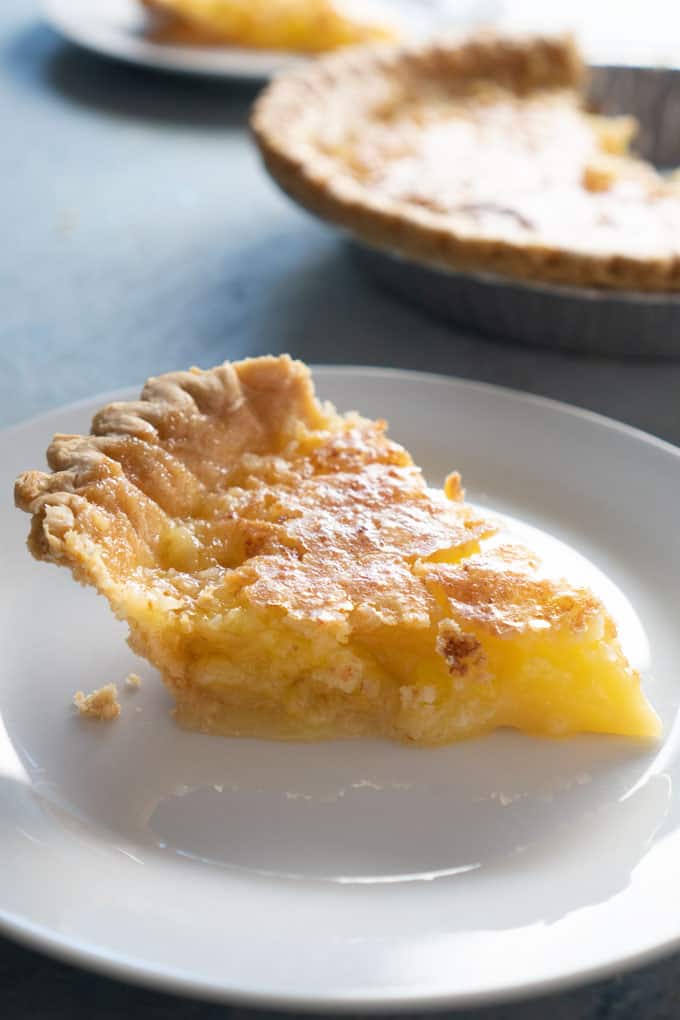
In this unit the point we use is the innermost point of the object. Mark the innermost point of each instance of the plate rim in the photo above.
(70, 949)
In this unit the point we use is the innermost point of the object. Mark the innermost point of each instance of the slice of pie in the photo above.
(474, 154)
(309, 26)
(290, 574)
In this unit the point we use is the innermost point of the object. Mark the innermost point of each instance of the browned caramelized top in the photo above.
(503, 589)
(236, 488)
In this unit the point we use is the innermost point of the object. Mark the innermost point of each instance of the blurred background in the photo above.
(142, 233)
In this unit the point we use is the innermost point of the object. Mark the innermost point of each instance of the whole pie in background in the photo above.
(291, 575)
(476, 153)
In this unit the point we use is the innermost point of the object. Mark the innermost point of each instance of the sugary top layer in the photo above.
(236, 487)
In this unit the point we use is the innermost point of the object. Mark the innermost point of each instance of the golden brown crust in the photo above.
(236, 487)
(154, 458)
(241, 471)
(352, 95)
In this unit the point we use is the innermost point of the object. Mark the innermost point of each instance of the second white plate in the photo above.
(362, 874)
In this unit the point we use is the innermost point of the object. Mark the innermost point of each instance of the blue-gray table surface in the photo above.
(139, 235)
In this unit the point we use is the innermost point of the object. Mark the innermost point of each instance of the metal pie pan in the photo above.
(611, 323)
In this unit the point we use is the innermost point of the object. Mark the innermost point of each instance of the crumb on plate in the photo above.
(133, 681)
(100, 704)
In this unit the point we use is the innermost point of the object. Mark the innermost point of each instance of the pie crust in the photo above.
(476, 154)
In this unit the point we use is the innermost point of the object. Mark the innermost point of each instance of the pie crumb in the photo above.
(133, 681)
(100, 704)
(598, 176)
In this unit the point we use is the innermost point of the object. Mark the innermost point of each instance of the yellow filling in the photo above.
(252, 672)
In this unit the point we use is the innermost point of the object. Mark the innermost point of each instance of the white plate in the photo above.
(361, 874)
(116, 28)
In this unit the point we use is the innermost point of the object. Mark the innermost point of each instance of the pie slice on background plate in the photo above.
(304, 26)
(291, 575)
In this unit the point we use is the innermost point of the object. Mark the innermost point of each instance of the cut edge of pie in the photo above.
(290, 574)
(342, 88)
